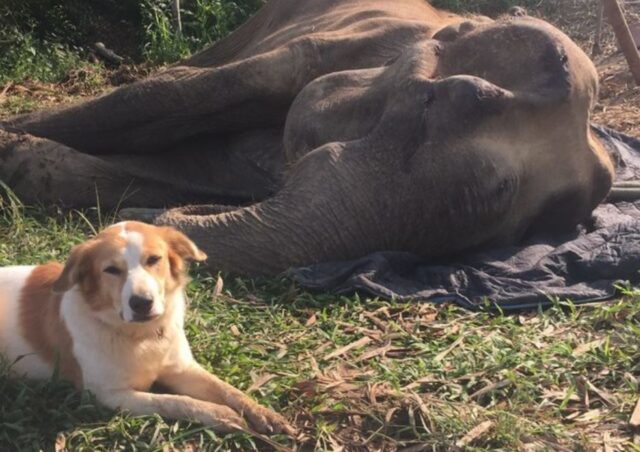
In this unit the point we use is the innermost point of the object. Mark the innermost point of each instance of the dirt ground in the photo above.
(619, 104)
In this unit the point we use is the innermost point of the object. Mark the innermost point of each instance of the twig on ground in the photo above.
(475, 433)
(354, 345)
(490, 388)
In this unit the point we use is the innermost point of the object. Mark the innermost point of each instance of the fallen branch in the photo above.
(107, 54)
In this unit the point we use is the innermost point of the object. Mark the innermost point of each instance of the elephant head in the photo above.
(477, 140)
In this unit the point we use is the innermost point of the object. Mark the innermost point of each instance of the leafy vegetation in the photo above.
(44, 40)
(23, 56)
(203, 22)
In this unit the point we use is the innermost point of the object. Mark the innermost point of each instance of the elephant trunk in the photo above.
(256, 240)
(322, 214)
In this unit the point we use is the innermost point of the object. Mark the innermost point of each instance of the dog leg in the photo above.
(221, 418)
(196, 382)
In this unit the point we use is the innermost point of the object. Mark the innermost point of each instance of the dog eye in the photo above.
(113, 270)
(152, 260)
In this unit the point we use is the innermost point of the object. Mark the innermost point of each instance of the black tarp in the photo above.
(584, 266)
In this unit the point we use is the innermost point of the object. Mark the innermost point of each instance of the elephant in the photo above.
(324, 130)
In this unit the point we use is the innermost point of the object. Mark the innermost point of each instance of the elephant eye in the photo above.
(152, 260)
(113, 270)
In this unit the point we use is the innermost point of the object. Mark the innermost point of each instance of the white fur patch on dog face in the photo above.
(139, 283)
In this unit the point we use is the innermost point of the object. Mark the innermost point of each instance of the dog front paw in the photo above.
(223, 419)
(266, 421)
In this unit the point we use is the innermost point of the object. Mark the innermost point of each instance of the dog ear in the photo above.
(182, 245)
(71, 274)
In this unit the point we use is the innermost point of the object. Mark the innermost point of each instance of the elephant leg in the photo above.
(159, 113)
(41, 170)
(163, 111)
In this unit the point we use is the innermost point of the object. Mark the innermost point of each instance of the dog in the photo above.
(111, 319)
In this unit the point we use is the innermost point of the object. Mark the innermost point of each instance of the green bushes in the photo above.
(28, 50)
(45, 39)
(203, 22)
(23, 56)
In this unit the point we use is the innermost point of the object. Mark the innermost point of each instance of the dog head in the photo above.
(129, 271)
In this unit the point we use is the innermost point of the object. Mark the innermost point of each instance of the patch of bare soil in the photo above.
(88, 81)
(619, 103)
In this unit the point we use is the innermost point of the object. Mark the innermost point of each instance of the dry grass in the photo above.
(619, 104)
(81, 83)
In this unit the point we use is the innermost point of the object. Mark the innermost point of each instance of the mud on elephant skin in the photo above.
(351, 126)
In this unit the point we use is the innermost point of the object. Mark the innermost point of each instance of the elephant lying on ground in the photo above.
(349, 126)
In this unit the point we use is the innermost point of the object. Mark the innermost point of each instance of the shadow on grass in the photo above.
(32, 413)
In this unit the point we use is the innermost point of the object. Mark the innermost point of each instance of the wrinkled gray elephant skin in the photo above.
(346, 127)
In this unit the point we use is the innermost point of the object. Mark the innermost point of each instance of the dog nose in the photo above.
(140, 305)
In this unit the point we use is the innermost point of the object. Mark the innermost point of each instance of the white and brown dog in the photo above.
(111, 321)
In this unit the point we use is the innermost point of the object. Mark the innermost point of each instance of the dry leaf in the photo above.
(420, 381)
(217, 289)
(61, 443)
(587, 347)
(373, 353)
(282, 351)
(260, 381)
(322, 347)
(589, 416)
(354, 345)
(389, 414)
(5, 90)
(376, 321)
(440, 356)
(235, 331)
(634, 421)
(311, 321)
(314, 365)
(475, 433)
(490, 388)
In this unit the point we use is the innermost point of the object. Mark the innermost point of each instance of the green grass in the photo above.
(563, 378)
